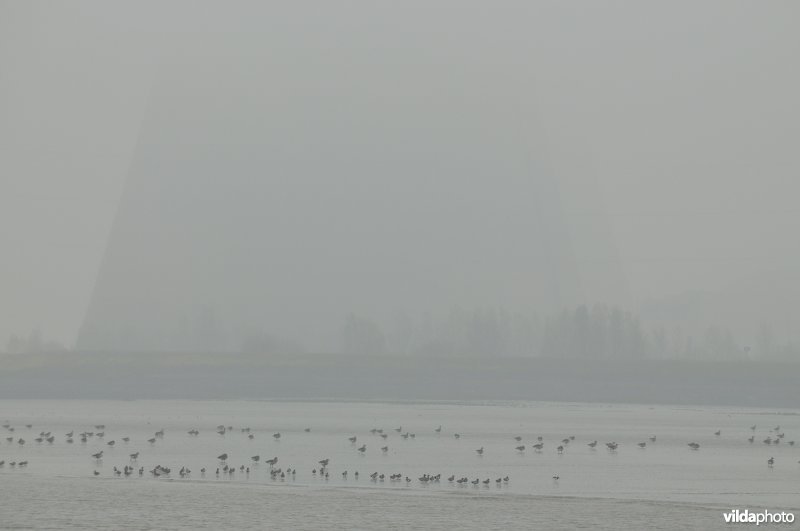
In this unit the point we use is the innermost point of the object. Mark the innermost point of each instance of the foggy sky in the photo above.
(456, 154)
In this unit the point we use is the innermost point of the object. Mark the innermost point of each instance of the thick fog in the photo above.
(521, 179)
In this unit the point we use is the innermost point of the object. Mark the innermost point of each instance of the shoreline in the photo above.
(329, 377)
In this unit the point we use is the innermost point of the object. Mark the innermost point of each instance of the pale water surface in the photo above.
(663, 486)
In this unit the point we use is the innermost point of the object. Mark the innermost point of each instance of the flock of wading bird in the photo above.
(322, 471)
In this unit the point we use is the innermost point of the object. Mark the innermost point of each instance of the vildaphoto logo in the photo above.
(746, 516)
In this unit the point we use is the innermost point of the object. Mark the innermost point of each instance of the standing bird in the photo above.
(480, 450)
(223, 457)
(770, 462)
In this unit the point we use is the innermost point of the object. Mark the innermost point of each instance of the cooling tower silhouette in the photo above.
(260, 202)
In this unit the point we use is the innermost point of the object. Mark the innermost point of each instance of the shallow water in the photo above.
(663, 486)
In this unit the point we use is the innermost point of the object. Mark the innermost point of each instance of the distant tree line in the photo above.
(481, 332)
(599, 332)
(33, 342)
